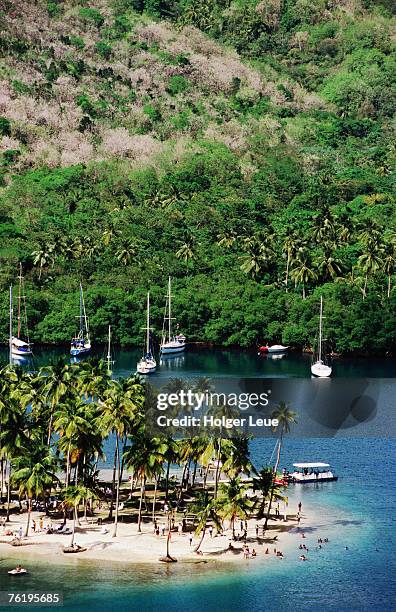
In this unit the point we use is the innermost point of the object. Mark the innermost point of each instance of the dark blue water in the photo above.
(358, 511)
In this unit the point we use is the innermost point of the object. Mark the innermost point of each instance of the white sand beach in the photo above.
(129, 546)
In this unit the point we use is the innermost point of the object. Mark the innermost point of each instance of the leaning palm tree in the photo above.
(285, 418)
(34, 473)
(233, 501)
(206, 510)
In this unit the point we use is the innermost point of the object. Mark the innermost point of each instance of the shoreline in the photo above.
(199, 346)
(131, 547)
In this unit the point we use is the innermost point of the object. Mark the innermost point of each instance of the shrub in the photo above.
(177, 84)
(91, 15)
(5, 126)
(103, 49)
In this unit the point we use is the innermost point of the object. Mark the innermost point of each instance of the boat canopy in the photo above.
(311, 465)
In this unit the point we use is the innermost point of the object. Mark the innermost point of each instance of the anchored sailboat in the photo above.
(81, 344)
(20, 345)
(319, 368)
(147, 364)
(108, 360)
(170, 344)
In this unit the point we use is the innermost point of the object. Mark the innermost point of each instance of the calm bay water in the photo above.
(221, 363)
(357, 511)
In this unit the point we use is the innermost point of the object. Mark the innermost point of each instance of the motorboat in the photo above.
(274, 349)
(311, 473)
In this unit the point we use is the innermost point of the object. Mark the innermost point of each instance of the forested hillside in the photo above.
(245, 148)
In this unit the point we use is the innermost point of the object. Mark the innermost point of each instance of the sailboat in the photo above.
(108, 359)
(147, 364)
(81, 344)
(170, 344)
(319, 368)
(20, 347)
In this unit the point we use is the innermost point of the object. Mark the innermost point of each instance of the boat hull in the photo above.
(172, 349)
(20, 352)
(79, 352)
(313, 480)
(320, 370)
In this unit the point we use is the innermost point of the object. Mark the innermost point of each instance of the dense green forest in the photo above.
(245, 148)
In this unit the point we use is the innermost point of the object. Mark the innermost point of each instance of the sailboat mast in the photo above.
(108, 358)
(19, 300)
(81, 312)
(320, 328)
(169, 309)
(148, 324)
(10, 356)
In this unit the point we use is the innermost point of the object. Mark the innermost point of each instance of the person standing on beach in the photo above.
(299, 506)
(41, 523)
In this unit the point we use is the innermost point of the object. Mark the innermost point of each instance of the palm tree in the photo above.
(285, 417)
(389, 264)
(55, 383)
(120, 412)
(73, 420)
(370, 261)
(206, 510)
(302, 272)
(233, 501)
(290, 248)
(34, 473)
(263, 483)
(146, 457)
(73, 496)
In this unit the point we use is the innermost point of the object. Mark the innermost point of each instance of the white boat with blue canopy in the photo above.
(312, 472)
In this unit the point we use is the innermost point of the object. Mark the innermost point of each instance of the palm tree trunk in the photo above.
(287, 273)
(28, 517)
(74, 526)
(68, 466)
(217, 475)
(142, 488)
(194, 474)
(273, 482)
(155, 497)
(113, 485)
(389, 285)
(167, 480)
(8, 493)
(365, 286)
(196, 549)
(118, 487)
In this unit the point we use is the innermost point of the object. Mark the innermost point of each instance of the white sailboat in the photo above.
(319, 368)
(20, 347)
(170, 344)
(147, 364)
(108, 360)
(81, 343)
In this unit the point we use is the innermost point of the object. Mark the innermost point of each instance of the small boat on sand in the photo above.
(74, 549)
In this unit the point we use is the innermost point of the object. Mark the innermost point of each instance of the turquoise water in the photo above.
(358, 511)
